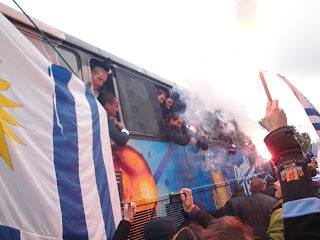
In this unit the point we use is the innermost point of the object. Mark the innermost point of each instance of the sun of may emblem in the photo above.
(5, 118)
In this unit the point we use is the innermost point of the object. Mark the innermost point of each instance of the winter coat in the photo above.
(254, 210)
(173, 134)
(230, 208)
(232, 204)
(123, 231)
(276, 226)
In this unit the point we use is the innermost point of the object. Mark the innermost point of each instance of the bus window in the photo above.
(138, 97)
(70, 58)
(49, 53)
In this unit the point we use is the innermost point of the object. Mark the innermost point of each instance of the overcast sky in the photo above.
(215, 47)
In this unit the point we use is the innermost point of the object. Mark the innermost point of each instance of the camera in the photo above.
(175, 197)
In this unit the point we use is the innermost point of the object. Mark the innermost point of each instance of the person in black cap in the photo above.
(117, 130)
(161, 228)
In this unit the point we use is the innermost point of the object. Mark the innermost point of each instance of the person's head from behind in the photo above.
(161, 228)
(228, 228)
(258, 185)
(162, 95)
(175, 119)
(278, 193)
(238, 189)
(110, 103)
(193, 230)
(99, 77)
(185, 234)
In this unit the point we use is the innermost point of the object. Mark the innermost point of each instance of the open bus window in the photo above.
(139, 102)
(108, 85)
(167, 104)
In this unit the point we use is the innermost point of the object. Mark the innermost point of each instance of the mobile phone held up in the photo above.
(175, 197)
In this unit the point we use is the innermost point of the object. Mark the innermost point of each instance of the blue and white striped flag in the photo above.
(57, 178)
(311, 111)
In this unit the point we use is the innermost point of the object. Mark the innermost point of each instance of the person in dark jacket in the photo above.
(166, 107)
(178, 133)
(227, 227)
(117, 130)
(191, 223)
(123, 229)
(301, 207)
(270, 188)
(162, 95)
(254, 209)
(231, 205)
(200, 137)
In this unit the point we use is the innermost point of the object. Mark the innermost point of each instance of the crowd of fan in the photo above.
(289, 209)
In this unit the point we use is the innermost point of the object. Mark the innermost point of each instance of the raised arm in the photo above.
(301, 209)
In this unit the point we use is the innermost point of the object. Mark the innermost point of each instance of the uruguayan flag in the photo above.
(57, 177)
(311, 111)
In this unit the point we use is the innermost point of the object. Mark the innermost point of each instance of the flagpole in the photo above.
(266, 89)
